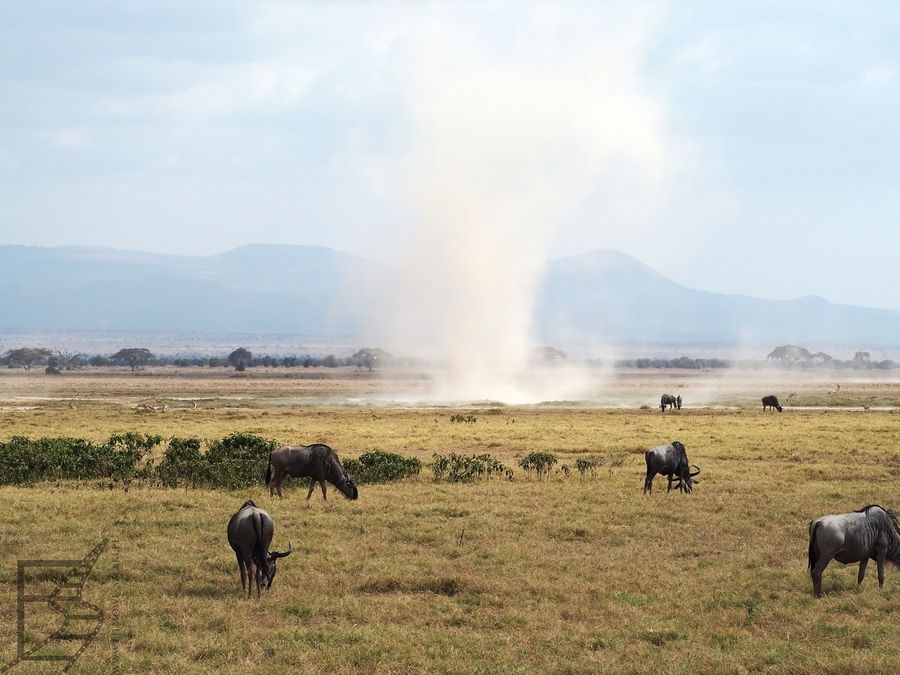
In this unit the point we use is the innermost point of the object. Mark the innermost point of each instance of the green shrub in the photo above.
(468, 419)
(539, 462)
(455, 468)
(183, 464)
(379, 466)
(238, 460)
(587, 464)
(122, 459)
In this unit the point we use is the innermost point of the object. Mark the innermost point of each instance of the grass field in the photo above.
(559, 575)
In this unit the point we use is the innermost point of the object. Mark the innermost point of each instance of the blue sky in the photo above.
(749, 149)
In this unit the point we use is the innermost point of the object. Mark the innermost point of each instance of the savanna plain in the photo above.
(562, 574)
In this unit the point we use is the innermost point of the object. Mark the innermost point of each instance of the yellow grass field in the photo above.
(577, 574)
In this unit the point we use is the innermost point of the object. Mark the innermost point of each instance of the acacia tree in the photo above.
(240, 358)
(370, 357)
(27, 356)
(133, 356)
(790, 354)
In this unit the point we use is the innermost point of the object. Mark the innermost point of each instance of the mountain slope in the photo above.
(612, 295)
(583, 299)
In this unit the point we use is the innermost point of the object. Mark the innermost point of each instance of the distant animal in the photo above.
(678, 401)
(771, 402)
(835, 391)
(317, 462)
(670, 460)
(791, 397)
(667, 400)
(872, 532)
(250, 533)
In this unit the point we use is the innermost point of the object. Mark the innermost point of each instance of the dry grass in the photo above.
(571, 575)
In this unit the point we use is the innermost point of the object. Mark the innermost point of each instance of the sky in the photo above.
(746, 149)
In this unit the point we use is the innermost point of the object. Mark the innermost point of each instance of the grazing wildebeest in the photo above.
(872, 532)
(670, 460)
(317, 461)
(667, 400)
(678, 401)
(250, 533)
(771, 402)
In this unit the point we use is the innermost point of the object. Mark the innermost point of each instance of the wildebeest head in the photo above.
(266, 572)
(686, 478)
(339, 477)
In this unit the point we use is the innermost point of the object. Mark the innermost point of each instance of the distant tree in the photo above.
(549, 354)
(308, 362)
(370, 357)
(240, 358)
(862, 357)
(330, 361)
(790, 354)
(133, 356)
(54, 365)
(72, 361)
(27, 356)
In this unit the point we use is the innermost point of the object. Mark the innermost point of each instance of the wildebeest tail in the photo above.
(269, 470)
(259, 552)
(813, 549)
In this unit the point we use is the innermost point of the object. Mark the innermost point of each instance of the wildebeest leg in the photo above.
(816, 574)
(648, 482)
(862, 570)
(882, 556)
(671, 480)
(251, 575)
(312, 486)
(324, 496)
(243, 569)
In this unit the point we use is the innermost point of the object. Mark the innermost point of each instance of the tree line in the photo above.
(57, 361)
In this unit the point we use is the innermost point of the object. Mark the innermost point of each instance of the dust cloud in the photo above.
(510, 140)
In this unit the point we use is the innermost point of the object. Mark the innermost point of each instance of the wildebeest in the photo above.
(250, 533)
(771, 402)
(670, 460)
(318, 462)
(670, 401)
(872, 532)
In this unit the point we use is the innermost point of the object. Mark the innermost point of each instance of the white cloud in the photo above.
(875, 77)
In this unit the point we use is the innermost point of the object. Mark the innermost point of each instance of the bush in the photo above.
(469, 419)
(182, 464)
(539, 462)
(587, 464)
(455, 468)
(238, 461)
(121, 459)
(379, 466)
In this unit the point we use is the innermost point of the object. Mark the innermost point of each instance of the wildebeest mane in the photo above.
(328, 459)
(892, 516)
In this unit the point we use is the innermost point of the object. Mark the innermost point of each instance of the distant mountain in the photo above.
(256, 288)
(583, 299)
(614, 296)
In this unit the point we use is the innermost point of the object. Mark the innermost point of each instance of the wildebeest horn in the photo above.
(275, 554)
(697, 471)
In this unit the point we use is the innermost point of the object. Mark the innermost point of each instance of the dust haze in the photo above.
(508, 143)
